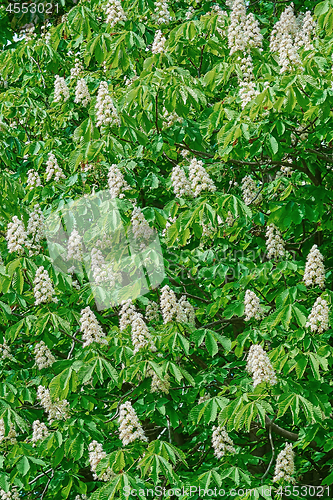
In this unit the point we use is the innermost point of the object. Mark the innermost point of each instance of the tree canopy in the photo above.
(208, 127)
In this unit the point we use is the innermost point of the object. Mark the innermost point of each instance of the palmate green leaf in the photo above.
(63, 383)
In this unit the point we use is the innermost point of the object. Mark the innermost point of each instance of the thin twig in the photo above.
(273, 453)
(47, 485)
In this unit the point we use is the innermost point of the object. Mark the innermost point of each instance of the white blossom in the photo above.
(61, 91)
(303, 37)
(169, 118)
(102, 271)
(185, 311)
(274, 243)
(57, 410)
(16, 236)
(314, 273)
(141, 336)
(33, 179)
(180, 183)
(35, 230)
(162, 14)
(114, 12)
(282, 40)
(90, 328)
(158, 43)
(82, 93)
(158, 384)
(39, 431)
(11, 495)
(127, 314)
(252, 35)
(152, 312)
(75, 246)
(252, 306)
(43, 356)
(116, 182)
(106, 112)
(284, 467)
(140, 227)
(78, 68)
(11, 436)
(200, 180)
(250, 191)
(236, 32)
(318, 317)
(5, 352)
(129, 425)
(53, 169)
(168, 303)
(43, 288)
(247, 85)
(222, 442)
(259, 366)
(96, 454)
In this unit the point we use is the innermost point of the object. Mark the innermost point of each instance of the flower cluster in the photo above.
(114, 12)
(152, 311)
(127, 314)
(314, 273)
(274, 243)
(222, 442)
(200, 180)
(249, 191)
(140, 227)
(33, 179)
(158, 43)
(303, 37)
(103, 272)
(78, 68)
(43, 356)
(185, 311)
(236, 28)
(75, 246)
(16, 235)
(53, 169)
(116, 182)
(90, 328)
(180, 183)
(247, 86)
(259, 366)
(284, 467)
(11, 436)
(61, 92)
(82, 93)
(281, 40)
(57, 410)
(162, 14)
(252, 306)
(11, 495)
(35, 231)
(39, 431)
(318, 317)
(43, 288)
(106, 112)
(252, 35)
(129, 425)
(5, 350)
(96, 454)
(170, 118)
(168, 303)
(158, 384)
(141, 337)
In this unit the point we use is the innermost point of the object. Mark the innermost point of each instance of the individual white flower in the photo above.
(318, 317)
(127, 314)
(35, 230)
(162, 14)
(57, 410)
(284, 467)
(259, 366)
(43, 288)
(5, 352)
(106, 112)
(61, 91)
(116, 182)
(16, 236)
(114, 12)
(200, 180)
(274, 243)
(33, 179)
(158, 43)
(39, 431)
(141, 336)
(250, 191)
(140, 227)
(82, 93)
(152, 312)
(303, 37)
(90, 328)
(96, 454)
(222, 442)
(236, 32)
(252, 306)
(158, 384)
(53, 169)
(11, 436)
(130, 428)
(78, 68)
(168, 303)
(314, 273)
(180, 183)
(43, 356)
(185, 311)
